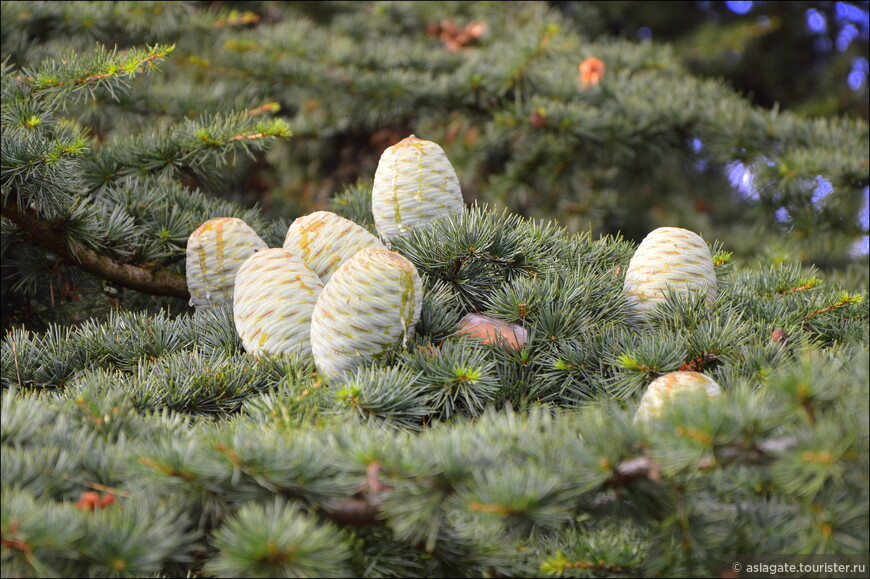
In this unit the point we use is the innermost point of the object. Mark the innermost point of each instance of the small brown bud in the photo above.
(455, 37)
(88, 501)
(538, 118)
(591, 72)
(430, 350)
(778, 336)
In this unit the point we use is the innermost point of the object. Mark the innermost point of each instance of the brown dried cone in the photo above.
(275, 296)
(493, 331)
(371, 303)
(414, 184)
(325, 240)
(215, 251)
(669, 258)
(665, 388)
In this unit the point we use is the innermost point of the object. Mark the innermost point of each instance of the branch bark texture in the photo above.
(150, 280)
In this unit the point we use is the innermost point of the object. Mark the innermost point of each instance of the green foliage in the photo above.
(140, 439)
(504, 481)
(124, 199)
(506, 108)
(280, 542)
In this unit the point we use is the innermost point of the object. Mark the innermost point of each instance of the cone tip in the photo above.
(409, 141)
(216, 223)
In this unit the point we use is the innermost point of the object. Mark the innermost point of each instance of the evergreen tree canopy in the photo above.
(141, 437)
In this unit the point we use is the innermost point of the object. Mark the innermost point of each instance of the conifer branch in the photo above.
(106, 489)
(264, 108)
(806, 286)
(560, 563)
(407, 466)
(221, 70)
(603, 567)
(362, 511)
(72, 74)
(15, 358)
(17, 544)
(844, 301)
(128, 68)
(151, 280)
(237, 19)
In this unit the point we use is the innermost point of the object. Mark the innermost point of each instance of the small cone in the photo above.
(370, 304)
(414, 185)
(665, 388)
(215, 251)
(493, 331)
(325, 240)
(274, 299)
(669, 258)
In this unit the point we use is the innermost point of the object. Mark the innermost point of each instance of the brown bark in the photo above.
(357, 512)
(151, 280)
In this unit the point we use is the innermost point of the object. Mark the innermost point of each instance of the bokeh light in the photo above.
(739, 7)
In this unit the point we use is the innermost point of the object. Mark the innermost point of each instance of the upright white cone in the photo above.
(371, 303)
(665, 388)
(414, 184)
(669, 258)
(325, 240)
(274, 299)
(215, 251)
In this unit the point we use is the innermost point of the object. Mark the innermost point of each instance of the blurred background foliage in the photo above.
(810, 57)
(743, 121)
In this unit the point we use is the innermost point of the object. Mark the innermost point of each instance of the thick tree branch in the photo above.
(364, 509)
(151, 280)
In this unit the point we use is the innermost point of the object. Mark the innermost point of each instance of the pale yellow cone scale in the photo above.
(665, 388)
(414, 185)
(325, 240)
(669, 258)
(215, 251)
(370, 304)
(275, 296)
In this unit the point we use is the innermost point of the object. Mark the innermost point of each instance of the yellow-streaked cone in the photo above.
(325, 240)
(371, 303)
(665, 388)
(414, 184)
(669, 258)
(215, 251)
(274, 299)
